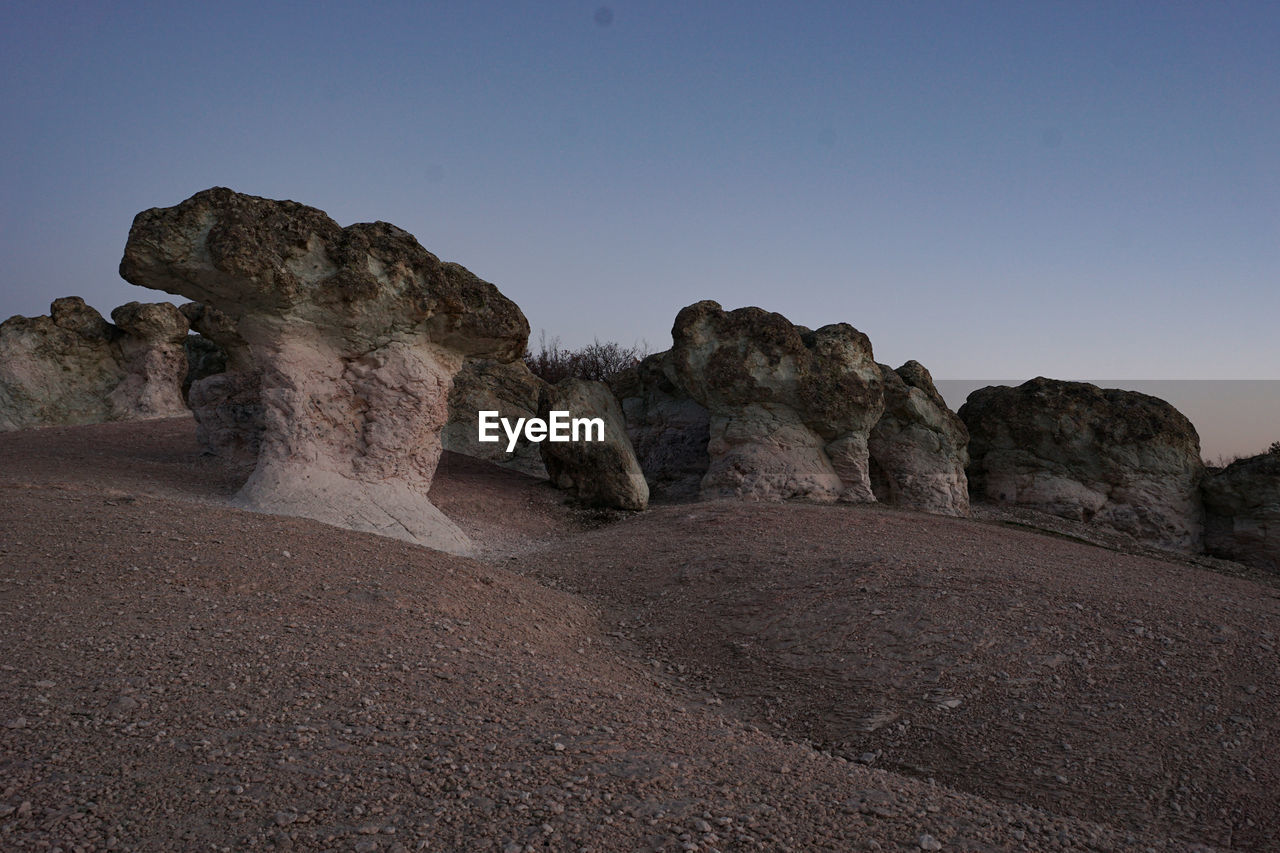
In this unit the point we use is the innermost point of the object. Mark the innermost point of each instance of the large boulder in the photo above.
(357, 333)
(73, 367)
(1242, 511)
(509, 389)
(919, 447)
(598, 472)
(668, 431)
(790, 409)
(1120, 459)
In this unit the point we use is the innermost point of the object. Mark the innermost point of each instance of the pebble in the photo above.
(928, 842)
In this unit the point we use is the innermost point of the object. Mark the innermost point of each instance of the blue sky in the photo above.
(1071, 189)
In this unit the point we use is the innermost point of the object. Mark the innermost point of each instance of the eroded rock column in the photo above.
(355, 334)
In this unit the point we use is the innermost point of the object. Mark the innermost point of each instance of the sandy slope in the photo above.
(177, 675)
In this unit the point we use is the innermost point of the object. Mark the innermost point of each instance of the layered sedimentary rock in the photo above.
(919, 447)
(788, 410)
(509, 389)
(599, 472)
(356, 333)
(1117, 458)
(1242, 511)
(73, 367)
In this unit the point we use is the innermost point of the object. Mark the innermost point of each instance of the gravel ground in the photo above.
(179, 675)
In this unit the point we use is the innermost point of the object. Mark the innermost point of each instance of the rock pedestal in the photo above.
(787, 410)
(356, 333)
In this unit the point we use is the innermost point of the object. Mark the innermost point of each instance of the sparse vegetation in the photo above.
(597, 360)
(1223, 460)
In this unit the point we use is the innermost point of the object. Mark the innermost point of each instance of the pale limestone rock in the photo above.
(919, 447)
(599, 473)
(1116, 458)
(356, 333)
(73, 367)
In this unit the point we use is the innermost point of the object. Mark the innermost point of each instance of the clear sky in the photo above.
(1071, 189)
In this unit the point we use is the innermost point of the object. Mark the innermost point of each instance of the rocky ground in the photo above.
(179, 675)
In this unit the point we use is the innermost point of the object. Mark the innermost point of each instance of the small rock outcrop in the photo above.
(352, 336)
(919, 447)
(1242, 512)
(73, 367)
(599, 473)
(509, 389)
(1121, 459)
(788, 410)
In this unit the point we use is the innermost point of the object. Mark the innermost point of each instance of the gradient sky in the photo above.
(1070, 189)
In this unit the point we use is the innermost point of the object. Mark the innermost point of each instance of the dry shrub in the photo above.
(596, 360)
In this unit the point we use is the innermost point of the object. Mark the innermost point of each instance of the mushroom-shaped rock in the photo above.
(790, 409)
(1242, 511)
(73, 367)
(1116, 458)
(356, 332)
(511, 390)
(602, 471)
(919, 447)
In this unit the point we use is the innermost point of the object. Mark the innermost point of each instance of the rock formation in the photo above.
(668, 431)
(600, 473)
(204, 358)
(228, 404)
(1242, 511)
(509, 389)
(357, 333)
(1117, 458)
(788, 410)
(919, 447)
(73, 367)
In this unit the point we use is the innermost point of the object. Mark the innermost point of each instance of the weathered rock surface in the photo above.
(73, 367)
(1242, 511)
(600, 473)
(227, 404)
(669, 432)
(789, 409)
(357, 333)
(1117, 458)
(919, 447)
(509, 389)
(204, 358)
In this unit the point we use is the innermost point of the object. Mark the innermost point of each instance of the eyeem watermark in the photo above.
(558, 427)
